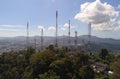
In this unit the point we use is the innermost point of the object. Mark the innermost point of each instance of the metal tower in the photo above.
(56, 41)
(27, 39)
(35, 43)
(83, 45)
(75, 41)
(89, 35)
(69, 42)
(42, 39)
(63, 40)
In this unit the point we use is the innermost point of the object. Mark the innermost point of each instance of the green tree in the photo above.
(81, 59)
(63, 67)
(103, 53)
(40, 62)
(49, 75)
(86, 72)
(11, 74)
(27, 73)
(29, 52)
(51, 47)
(116, 69)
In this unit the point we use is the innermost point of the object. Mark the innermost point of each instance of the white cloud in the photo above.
(10, 30)
(119, 23)
(101, 15)
(102, 27)
(41, 27)
(12, 26)
(66, 25)
(63, 29)
(117, 28)
(119, 6)
(51, 28)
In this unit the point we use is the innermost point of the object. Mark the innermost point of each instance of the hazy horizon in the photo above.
(61, 36)
(102, 14)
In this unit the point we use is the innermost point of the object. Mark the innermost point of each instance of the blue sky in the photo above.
(14, 14)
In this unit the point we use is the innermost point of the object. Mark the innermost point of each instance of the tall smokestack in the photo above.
(42, 39)
(69, 37)
(75, 41)
(56, 42)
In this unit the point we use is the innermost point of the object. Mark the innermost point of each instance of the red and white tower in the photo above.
(56, 41)
(27, 39)
(89, 35)
(75, 41)
(69, 42)
(42, 39)
(35, 43)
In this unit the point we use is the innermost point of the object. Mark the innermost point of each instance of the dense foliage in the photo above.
(56, 64)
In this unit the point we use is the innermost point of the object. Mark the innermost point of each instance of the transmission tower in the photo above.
(27, 39)
(42, 39)
(75, 41)
(35, 43)
(83, 45)
(56, 42)
(69, 42)
(63, 40)
(89, 36)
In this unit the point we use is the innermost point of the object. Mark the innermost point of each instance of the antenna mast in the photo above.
(63, 39)
(56, 42)
(89, 35)
(35, 43)
(75, 41)
(83, 44)
(69, 37)
(27, 41)
(42, 39)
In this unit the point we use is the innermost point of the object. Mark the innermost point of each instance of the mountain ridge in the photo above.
(19, 42)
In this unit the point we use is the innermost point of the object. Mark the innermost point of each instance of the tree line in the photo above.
(55, 63)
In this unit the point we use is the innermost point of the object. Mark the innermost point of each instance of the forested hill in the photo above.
(59, 64)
